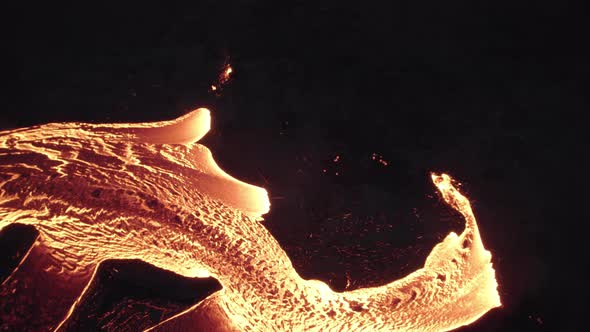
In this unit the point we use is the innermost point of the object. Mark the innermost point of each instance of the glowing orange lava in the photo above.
(149, 191)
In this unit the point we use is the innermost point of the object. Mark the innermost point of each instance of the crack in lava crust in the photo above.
(149, 191)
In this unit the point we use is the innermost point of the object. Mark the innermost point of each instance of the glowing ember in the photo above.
(379, 159)
(222, 79)
(226, 74)
(150, 191)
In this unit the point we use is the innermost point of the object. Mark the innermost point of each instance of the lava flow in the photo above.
(149, 191)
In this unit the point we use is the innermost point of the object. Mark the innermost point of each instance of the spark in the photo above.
(222, 79)
(225, 74)
(379, 159)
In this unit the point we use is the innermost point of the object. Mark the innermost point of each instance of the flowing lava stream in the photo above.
(149, 191)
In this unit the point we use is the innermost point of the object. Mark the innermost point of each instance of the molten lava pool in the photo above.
(150, 191)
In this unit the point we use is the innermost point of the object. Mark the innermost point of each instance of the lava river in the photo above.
(149, 191)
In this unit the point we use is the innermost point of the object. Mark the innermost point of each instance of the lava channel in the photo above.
(149, 191)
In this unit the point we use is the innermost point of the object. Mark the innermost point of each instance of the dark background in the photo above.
(491, 93)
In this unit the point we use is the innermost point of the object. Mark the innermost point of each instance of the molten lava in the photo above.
(149, 191)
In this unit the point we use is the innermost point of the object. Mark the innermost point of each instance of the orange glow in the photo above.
(227, 72)
(225, 75)
(222, 79)
(150, 191)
